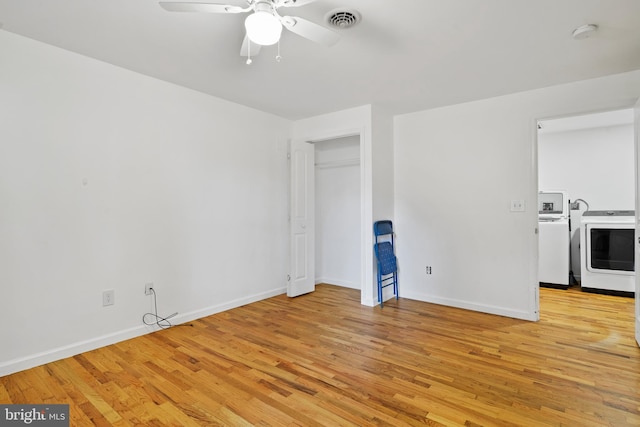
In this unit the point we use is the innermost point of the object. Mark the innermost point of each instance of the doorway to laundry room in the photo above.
(589, 160)
(338, 212)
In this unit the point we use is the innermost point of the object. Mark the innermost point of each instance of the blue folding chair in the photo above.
(385, 255)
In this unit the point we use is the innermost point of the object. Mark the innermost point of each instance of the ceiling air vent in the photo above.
(343, 19)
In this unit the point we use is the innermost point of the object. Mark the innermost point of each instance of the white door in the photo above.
(636, 121)
(302, 237)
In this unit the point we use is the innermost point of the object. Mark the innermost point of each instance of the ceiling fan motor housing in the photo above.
(263, 6)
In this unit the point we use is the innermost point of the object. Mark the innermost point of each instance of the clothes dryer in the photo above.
(607, 251)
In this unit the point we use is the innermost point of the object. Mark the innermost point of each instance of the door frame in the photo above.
(636, 145)
(535, 301)
(366, 204)
(329, 167)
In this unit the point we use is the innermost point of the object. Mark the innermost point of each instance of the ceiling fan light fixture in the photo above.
(263, 28)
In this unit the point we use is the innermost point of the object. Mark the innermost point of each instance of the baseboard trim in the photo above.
(37, 359)
(338, 282)
(469, 305)
(208, 311)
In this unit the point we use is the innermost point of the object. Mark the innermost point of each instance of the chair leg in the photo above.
(395, 284)
(380, 288)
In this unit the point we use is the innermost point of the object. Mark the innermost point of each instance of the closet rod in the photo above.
(338, 163)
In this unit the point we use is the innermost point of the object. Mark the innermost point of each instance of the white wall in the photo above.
(383, 177)
(595, 164)
(109, 180)
(338, 225)
(592, 164)
(456, 170)
(382, 164)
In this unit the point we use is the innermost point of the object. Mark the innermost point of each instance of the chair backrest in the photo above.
(380, 228)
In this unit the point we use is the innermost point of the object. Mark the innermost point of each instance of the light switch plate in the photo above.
(108, 297)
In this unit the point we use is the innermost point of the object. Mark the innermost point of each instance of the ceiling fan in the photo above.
(264, 24)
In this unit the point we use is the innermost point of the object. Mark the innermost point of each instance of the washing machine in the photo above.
(553, 239)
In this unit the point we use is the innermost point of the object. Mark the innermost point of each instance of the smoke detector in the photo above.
(343, 18)
(584, 31)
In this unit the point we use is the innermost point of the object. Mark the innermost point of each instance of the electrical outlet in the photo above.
(148, 289)
(517, 206)
(428, 269)
(108, 297)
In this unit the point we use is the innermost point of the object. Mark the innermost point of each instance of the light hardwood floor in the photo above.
(323, 359)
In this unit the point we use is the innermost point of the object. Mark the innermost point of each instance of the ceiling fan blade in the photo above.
(293, 3)
(244, 50)
(201, 7)
(311, 31)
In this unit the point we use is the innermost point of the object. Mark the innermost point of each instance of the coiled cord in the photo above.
(161, 322)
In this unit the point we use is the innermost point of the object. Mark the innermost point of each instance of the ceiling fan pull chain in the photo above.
(278, 57)
(249, 61)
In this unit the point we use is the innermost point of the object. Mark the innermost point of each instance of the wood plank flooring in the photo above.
(323, 359)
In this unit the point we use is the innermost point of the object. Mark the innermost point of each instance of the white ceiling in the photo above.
(404, 56)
